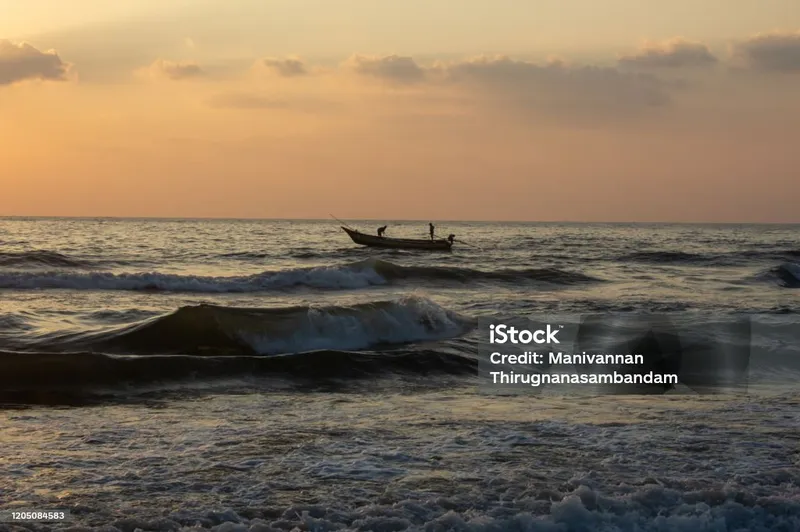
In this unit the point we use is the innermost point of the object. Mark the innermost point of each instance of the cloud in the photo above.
(176, 70)
(288, 67)
(558, 85)
(22, 61)
(674, 53)
(392, 68)
(500, 83)
(776, 51)
(527, 83)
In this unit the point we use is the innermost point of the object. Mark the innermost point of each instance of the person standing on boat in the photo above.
(381, 230)
(432, 229)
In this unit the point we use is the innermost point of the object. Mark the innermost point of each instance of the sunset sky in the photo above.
(579, 110)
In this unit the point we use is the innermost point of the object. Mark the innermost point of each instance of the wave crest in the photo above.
(216, 330)
(361, 274)
(788, 274)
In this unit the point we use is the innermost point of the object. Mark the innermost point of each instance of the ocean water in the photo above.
(271, 375)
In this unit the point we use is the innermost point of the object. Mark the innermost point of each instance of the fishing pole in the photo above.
(468, 244)
(341, 222)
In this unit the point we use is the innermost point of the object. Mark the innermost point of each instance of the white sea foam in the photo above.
(409, 319)
(467, 462)
(354, 275)
(348, 276)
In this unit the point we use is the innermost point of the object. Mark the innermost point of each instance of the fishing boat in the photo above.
(374, 241)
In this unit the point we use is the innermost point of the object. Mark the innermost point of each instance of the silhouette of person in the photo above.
(432, 228)
(451, 238)
(381, 230)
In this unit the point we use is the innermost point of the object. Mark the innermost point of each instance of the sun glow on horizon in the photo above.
(205, 116)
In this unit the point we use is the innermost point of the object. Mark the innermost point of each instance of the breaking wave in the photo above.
(214, 343)
(787, 274)
(361, 274)
(326, 277)
(217, 330)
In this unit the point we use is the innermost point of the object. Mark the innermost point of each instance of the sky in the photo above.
(540, 110)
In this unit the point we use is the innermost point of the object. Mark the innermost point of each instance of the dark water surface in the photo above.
(271, 373)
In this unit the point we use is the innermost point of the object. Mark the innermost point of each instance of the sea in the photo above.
(257, 375)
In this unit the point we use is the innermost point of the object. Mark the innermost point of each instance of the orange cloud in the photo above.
(393, 68)
(558, 87)
(175, 70)
(554, 86)
(288, 67)
(776, 51)
(673, 53)
(22, 61)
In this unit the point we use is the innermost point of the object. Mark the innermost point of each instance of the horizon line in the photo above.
(381, 220)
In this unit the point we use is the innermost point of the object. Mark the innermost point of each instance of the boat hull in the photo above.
(374, 241)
